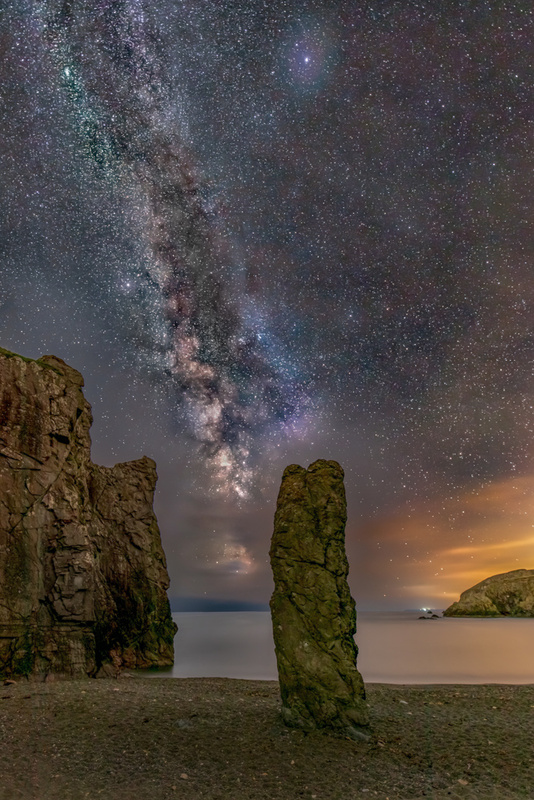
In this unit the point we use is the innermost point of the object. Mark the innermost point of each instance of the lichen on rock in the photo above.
(83, 576)
(510, 594)
(313, 613)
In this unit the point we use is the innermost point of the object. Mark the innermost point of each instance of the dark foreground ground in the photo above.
(157, 739)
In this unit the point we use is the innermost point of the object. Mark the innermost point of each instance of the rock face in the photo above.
(313, 613)
(83, 577)
(510, 594)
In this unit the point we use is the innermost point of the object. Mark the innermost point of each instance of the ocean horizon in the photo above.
(394, 647)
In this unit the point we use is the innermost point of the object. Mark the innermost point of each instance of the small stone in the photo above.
(106, 671)
(183, 723)
(184, 776)
(358, 735)
(463, 781)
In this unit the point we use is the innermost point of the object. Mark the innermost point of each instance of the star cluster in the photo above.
(274, 231)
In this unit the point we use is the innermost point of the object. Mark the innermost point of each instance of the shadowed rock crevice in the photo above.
(313, 613)
(83, 576)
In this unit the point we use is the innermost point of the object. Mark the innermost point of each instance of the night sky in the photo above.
(271, 232)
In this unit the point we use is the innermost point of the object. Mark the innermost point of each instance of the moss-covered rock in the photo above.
(313, 613)
(510, 594)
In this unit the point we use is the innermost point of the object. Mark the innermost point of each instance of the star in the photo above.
(271, 233)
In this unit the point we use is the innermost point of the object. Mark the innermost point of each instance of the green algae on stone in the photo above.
(42, 362)
(313, 613)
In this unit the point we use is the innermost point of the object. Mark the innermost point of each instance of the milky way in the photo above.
(269, 232)
(208, 341)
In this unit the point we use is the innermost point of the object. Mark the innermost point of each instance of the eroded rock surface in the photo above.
(510, 594)
(313, 613)
(83, 576)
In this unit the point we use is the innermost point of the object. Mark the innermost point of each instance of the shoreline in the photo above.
(223, 739)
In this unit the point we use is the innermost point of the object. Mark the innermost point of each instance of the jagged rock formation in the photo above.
(510, 594)
(83, 577)
(313, 613)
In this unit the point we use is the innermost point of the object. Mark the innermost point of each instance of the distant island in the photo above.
(510, 594)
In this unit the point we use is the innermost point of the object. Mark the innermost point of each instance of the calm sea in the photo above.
(394, 648)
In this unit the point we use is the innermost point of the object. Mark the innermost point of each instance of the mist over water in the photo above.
(394, 647)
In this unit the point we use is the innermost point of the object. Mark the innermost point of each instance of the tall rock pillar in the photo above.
(313, 613)
(83, 576)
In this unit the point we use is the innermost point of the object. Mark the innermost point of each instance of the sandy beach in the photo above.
(143, 739)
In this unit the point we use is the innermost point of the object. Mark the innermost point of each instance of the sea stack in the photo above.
(83, 577)
(313, 613)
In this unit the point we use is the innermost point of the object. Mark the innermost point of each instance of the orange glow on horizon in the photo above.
(435, 550)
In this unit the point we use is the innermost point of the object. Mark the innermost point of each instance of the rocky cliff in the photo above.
(83, 577)
(510, 594)
(313, 613)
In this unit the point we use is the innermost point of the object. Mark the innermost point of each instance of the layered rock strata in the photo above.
(83, 576)
(313, 613)
(510, 594)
